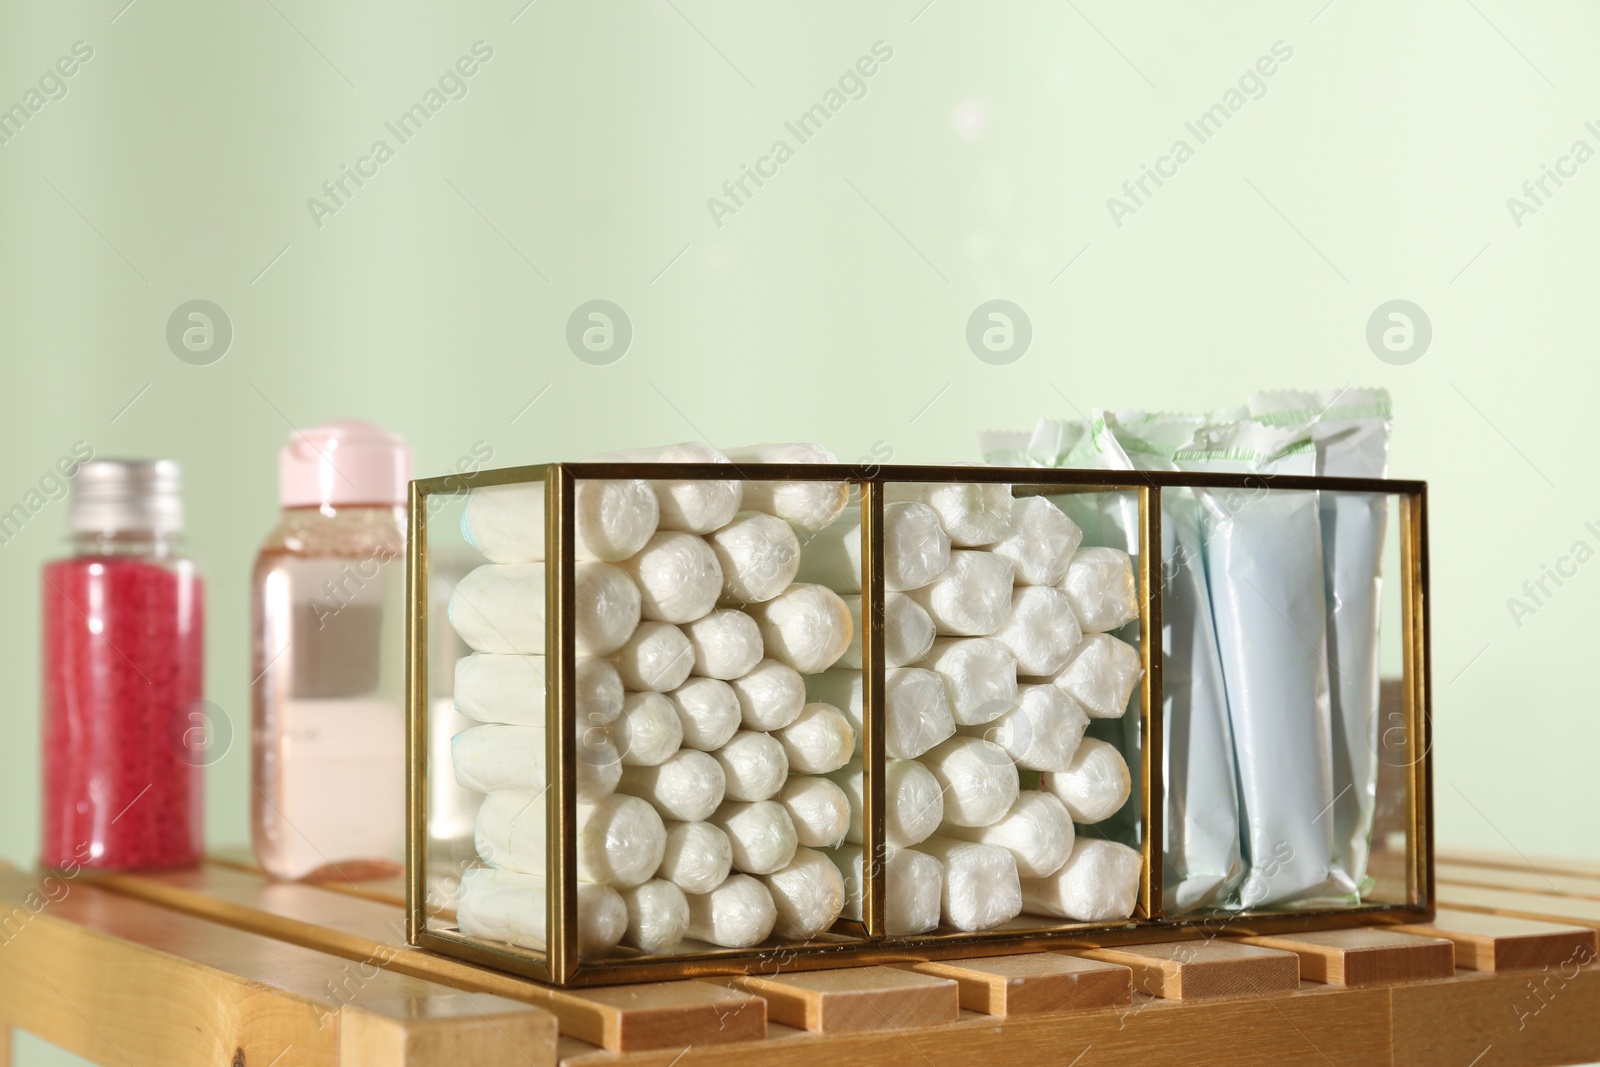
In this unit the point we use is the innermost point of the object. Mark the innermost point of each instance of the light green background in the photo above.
(833, 305)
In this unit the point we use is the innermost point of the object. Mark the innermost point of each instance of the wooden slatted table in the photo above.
(219, 967)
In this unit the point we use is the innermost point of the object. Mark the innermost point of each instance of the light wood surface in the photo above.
(1521, 904)
(1365, 957)
(852, 1000)
(1034, 983)
(1186, 970)
(1584, 887)
(1487, 942)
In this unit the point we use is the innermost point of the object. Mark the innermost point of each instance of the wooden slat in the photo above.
(1524, 881)
(1498, 1021)
(1184, 970)
(1537, 906)
(1034, 983)
(657, 1015)
(1516, 861)
(1361, 957)
(1487, 942)
(851, 1000)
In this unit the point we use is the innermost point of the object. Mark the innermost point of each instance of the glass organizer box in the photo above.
(671, 720)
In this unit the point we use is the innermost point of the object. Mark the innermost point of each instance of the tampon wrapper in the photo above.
(760, 832)
(620, 839)
(979, 675)
(979, 780)
(612, 519)
(495, 758)
(808, 895)
(916, 550)
(1041, 732)
(511, 907)
(647, 731)
(737, 914)
(918, 708)
(1041, 542)
(678, 576)
(697, 857)
(770, 696)
(820, 740)
(656, 658)
(819, 809)
(726, 644)
(913, 801)
(708, 712)
(972, 598)
(1042, 630)
(687, 786)
(913, 882)
(658, 916)
(1095, 785)
(907, 632)
(1102, 589)
(972, 513)
(1099, 883)
(807, 627)
(511, 689)
(807, 505)
(981, 887)
(696, 505)
(1037, 831)
(1100, 675)
(759, 556)
(499, 608)
(755, 765)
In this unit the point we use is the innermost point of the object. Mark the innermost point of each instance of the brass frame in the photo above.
(866, 942)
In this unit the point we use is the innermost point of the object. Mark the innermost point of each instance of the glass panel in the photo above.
(1399, 749)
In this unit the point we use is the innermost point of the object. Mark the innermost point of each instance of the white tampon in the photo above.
(916, 550)
(708, 712)
(760, 832)
(981, 887)
(918, 709)
(819, 809)
(737, 914)
(806, 626)
(1041, 542)
(647, 731)
(1037, 831)
(511, 907)
(1042, 630)
(511, 689)
(1100, 674)
(971, 513)
(658, 916)
(698, 857)
(1041, 732)
(820, 740)
(979, 674)
(695, 505)
(907, 632)
(657, 658)
(494, 758)
(912, 880)
(972, 598)
(770, 696)
(913, 801)
(755, 765)
(686, 786)
(1102, 589)
(1095, 785)
(612, 520)
(808, 895)
(808, 505)
(620, 839)
(759, 556)
(678, 577)
(1099, 883)
(499, 607)
(978, 779)
(726, 643)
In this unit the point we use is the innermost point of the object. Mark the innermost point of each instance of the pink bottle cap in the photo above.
(343, 463)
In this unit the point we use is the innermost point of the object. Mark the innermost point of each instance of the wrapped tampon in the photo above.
(972, 514)
(1037, 831)
(819, 809)
(977, 777)
(1042, 630)
(738, 913)
(694, 505)
(611, 519)
(499, 607)
(621, 839)
(511, 907)
(979, 674)
(511, 689)
(913, 882)
(760, 832)
(916, 550)
(697, 857)
(820, 740)
(1095, 785)
(658, 916)
(687, 786)
(917, 707)
(493, 758)
(678, 576)
(708, 712)
(726, 643)
(755, 765)
(770, 696)
(1102, 589)
(1041, 542)
(913, 801)
(1041, 732)
(759, 556)
(907, 632)
(972, 598)
(1099, 883)
(808, 505)
(1100, 674)
(657, 658)
(806, 626)
(647, 731)
(808, 895)
(981, 887)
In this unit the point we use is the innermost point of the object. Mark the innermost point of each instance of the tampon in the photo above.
(612, 519)
(918, 709)
(808, 505)
(759, 556)
(1042, 630)
(696, 505)
(907, 632)
(511, 689)
(1041, 542)
(913, 801)
(971, 513)
(770, 696)
(738, 913)
(620, 839)
(760, 832)
(708, 712)
(687, 786)
(1041, 732)
(978, 779)
(499, 607)
(678, 576)
(979, 675)
(1102, 589)
(820, 740)
(972, 598)
(697, 857)
(808, 895)
(1095, 785)
(981, 886)
(755, 765)
(511, 907)
(657, 658)
(493, 758)
(1037, 831)
(819, 809)
(916, 550)
(658, 916)
(1099, 883)
(647, 731)
(1101, 674)
(806, 626)
(913, 882)
(726, 643)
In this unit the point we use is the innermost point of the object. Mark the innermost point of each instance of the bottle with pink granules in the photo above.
(125, 728)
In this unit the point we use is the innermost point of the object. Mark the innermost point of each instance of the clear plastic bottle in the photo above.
(328, 648)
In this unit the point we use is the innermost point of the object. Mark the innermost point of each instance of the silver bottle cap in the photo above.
(117, 495)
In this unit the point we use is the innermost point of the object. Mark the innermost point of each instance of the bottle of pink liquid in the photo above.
(328, 649)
